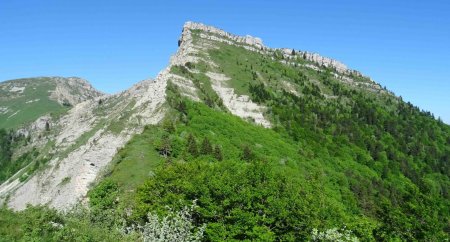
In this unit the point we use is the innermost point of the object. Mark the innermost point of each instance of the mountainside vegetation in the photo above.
(10, 165)
(24, 102)
(342, 161)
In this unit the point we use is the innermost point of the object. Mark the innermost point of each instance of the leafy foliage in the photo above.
(44, 224)
(241, 198)
(176, 226)
(334, 235)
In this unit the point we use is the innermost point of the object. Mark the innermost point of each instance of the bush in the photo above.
(333, 235)
(175, 226)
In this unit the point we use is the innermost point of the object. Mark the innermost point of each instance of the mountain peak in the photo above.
(256, 44)
(211, 32)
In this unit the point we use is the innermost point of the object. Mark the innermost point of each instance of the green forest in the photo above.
(248, 183)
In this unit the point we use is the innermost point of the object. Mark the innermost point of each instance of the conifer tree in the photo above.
(192, 146)
(218, 153)
(206, 148)
(247, 154)
(165, 146)
(168, 126)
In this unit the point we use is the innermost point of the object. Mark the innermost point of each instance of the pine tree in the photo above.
(165, 146)
(218, 153)
(247, 154)
(168, 126)
(206, 148)
(192, 146)
(181, 106)
(5, 146)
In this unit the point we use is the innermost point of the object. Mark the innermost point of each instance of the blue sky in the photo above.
(404, 45)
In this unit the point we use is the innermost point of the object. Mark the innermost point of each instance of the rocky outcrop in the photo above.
(73, 90)
(216, 34)
(239, 105)
(325, 61)
(318, 60)
(256, 44)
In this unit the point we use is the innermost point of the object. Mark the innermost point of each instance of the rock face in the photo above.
(60, 89)
(85, 141)
(220, 35)
(239, 105)
(82, 142)
(73, 90)
(325, 61)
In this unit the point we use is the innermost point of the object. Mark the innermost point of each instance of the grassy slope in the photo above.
(28, 112)
(135, 162)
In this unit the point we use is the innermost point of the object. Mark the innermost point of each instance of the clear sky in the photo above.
(404, 45)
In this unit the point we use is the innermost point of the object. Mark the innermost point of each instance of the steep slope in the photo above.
(218, 67)
(67, 157)
(79, 144)
(29, 106)
(24, 100)
(367, 160)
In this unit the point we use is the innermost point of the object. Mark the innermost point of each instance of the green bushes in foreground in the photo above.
(44, 224)
(242, 201)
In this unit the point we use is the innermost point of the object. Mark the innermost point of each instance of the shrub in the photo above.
(176, 226)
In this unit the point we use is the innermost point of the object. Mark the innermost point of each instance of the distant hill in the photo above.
(24, 100)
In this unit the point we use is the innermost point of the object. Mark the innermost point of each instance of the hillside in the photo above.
(269, 145)
(29, 108)
(24, 100)
(59, 161)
